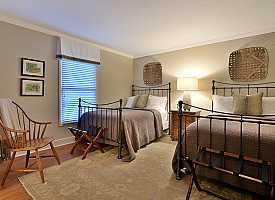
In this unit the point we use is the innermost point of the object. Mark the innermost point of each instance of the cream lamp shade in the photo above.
(187, 83)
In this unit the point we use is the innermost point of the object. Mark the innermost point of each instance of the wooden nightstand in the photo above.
(175, 121)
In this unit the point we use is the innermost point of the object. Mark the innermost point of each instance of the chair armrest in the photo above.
(36, 122)
(16, 130)
(27, 116)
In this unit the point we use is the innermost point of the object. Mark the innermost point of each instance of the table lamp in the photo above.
(187, 84)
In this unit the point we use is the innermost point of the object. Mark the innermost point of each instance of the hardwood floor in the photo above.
(13, 190)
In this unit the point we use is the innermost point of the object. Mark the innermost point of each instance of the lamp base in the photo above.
(186, 99)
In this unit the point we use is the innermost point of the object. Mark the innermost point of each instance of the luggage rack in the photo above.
(216, 160)
(87, 138)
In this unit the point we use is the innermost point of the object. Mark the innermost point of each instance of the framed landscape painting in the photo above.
(32, 87)
(31, 67)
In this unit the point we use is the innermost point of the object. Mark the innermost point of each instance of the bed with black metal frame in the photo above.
(209, 156)
(107, 119)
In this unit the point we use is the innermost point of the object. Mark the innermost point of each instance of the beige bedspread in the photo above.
(250, 145)
(140, 126)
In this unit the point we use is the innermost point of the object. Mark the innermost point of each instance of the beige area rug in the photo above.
(103, 177)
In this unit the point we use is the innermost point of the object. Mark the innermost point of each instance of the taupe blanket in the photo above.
(250, 145)
(140, 126)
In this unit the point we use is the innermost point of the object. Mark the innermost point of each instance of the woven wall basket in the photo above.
(152, 74)
(249, 64)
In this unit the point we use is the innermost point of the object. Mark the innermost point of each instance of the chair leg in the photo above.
(8, 168)
(40, 167)
(27, 158)
(55, 153)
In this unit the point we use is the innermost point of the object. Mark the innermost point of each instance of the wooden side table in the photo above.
(175, 121)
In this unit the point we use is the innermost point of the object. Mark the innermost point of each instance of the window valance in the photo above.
(77, 50)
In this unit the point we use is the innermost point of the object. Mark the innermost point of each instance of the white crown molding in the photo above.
(207, 42)
(20, 22)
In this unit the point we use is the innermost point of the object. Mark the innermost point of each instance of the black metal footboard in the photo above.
(217, 156)
(108, 116)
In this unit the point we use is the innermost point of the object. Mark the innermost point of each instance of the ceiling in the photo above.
(144, 27)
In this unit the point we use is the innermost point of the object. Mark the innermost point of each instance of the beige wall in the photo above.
(205, 62)
(114, 76)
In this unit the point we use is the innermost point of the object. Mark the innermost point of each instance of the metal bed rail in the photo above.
(107, 116)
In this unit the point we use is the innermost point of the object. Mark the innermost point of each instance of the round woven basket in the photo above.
(249, 64)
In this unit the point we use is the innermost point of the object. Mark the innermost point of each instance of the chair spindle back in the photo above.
(35, 129)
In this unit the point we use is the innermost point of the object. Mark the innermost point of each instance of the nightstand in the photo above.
(175, 121)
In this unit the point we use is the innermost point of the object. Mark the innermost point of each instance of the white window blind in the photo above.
(77, 80)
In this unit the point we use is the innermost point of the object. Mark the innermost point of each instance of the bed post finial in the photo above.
(169, 106)
(119, 156)
(213, 87)
(120, 103)
(79, 113)
(133, 89)
(180, 106)
(169, 97)
(179, 156)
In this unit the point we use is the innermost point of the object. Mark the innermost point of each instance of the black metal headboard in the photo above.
(159, 90)
(228, 89)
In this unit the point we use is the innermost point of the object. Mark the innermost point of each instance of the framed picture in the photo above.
(31, 87)
(31, 67)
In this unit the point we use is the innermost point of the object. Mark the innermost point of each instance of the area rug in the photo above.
(101, 176)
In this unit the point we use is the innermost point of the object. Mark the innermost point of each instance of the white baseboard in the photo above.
(64, 141)
(56, 143)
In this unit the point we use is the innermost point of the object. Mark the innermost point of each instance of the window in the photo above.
(77, 80)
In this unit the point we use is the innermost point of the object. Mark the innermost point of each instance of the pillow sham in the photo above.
(131, 102)
(268, 105)
(124, 101)
(254, 104)
(156, 102)
(222, 103)
(142, 101)
(239, 104)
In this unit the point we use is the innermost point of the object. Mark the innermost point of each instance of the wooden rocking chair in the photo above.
(30, 138)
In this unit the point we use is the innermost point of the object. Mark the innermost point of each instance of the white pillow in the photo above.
(131, 102)
(268, 105)
(155, 102)
(222, 103)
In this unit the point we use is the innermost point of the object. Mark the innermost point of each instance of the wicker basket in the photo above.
(249, 64)
(152, 74)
